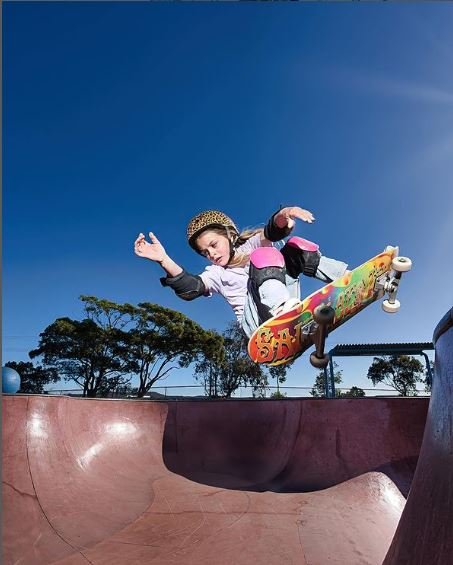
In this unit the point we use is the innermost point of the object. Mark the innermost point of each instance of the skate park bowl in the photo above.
(309, 481)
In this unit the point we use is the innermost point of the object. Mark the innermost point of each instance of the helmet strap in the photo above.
(232, 239)
(232, 251)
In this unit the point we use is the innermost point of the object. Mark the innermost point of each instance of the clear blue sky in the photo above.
(127, 117)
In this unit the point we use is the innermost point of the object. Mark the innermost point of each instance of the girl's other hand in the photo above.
(152, 250)
(287, 217)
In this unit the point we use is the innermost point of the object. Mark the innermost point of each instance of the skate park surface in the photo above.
(307, 481)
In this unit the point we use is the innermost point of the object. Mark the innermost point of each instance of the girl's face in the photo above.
(215, 247)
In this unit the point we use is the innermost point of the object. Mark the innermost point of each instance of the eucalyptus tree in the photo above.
(115, 342)
(319, 387)
(223, 375)
(402, 373)
(162, 340)
(92, 351)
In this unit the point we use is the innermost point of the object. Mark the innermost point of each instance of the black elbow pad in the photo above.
(185, 285)
(273, 233)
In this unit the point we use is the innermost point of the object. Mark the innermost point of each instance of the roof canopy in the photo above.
(343, 350)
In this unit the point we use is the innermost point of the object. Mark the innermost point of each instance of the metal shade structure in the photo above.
(371, 349)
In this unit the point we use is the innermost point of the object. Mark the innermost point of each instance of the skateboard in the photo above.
(284, 337)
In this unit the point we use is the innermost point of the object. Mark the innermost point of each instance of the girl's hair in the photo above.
(246, 234)
(238, 259)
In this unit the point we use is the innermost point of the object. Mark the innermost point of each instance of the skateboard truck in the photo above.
(400, 265)
(323, 316)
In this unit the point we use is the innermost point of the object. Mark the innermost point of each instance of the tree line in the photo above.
(115, 344)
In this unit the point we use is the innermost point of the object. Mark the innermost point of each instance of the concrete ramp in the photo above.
(294, 445)
(306, 481)
(425, 532)
(230, 482)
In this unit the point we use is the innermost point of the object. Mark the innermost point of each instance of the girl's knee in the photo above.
(267, 263)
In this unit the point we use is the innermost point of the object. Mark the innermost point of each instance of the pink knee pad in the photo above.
(301, 256)
(302, 244)
(267, 257)
(266, 263)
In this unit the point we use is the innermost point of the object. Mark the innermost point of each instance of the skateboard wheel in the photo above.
(319, 362)
(323, 314)
(401, 264)
(387, 306)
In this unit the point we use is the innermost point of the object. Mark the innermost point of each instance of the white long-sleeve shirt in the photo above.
(231, 282)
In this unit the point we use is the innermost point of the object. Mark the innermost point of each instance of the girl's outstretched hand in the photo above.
(154, 250)
(287, 217)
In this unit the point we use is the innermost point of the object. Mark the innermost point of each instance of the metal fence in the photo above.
(196, 392)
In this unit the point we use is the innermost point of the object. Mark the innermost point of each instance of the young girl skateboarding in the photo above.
(257, 279)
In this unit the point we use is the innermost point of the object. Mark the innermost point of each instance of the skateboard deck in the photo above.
(284, 337)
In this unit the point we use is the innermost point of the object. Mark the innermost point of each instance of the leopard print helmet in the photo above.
(209, 219)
